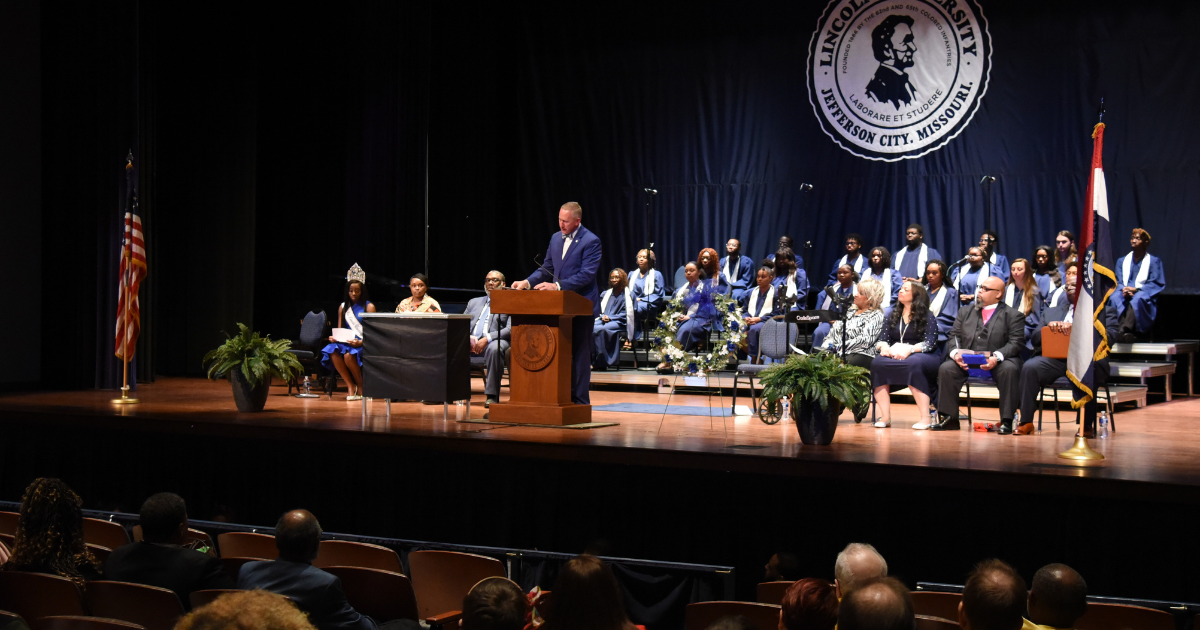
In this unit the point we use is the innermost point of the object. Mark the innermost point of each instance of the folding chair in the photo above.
(205, 597)
(342, 553)
(773, 340)
(247, 545)
(104, 533)
(8, 523)
(441, 579)
(701, 615)
(925, 622)
(101, 553)
(80, 622)
(1122, 617)
(1064, 383)
(772, 592)
(151, 607)
(935, 604)
(37, 595)
(381, 595)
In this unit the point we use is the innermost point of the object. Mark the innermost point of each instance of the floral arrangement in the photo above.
(721, 310)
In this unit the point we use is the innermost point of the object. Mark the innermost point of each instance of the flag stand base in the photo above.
(125, 399)
(1080, 451)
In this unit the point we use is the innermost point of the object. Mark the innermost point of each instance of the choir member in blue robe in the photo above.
(711, 272)
(943, 301)
(790, 281)
(1022, 293)
(736, 269)
(912, 259)
(786, 241)
(966, 277)
(854, 257)
(1064, 251)
(697, 320)
(759, 305)
(1045, 272)
(879, 267)
(847, 288)
(344, 356)
(606, 331)
(1140, 279)
(990, 242)
(646, 296)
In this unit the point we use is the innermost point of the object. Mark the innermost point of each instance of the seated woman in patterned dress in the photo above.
(419, 302)
(907, 354)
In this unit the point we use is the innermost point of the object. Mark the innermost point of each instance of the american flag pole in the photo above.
(126, 281)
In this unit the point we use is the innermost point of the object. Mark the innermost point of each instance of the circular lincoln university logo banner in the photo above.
(534, 347)
(895, 80)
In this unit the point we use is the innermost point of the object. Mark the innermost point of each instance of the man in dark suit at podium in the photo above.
(572, 261)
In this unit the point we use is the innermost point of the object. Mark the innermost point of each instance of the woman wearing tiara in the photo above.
(419, 302)
(343, 356)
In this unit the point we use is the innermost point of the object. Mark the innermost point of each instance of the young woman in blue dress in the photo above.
(343, 356)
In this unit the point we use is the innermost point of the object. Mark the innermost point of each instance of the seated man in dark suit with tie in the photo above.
(316, 592)
(996, 330)
(160, 559)
(490, 335)
(1040, 371)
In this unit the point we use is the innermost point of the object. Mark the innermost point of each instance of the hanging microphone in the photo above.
(805, 187)
(987, 179)
(650, 191)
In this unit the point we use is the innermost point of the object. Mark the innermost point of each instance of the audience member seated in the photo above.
(846, 289)
(1139, 280)
(966, 278)
(758, 306)
(809, 604)
(912, 259)
(782, 567)
(993, 598)
(697, 320)
(419, 302)
(1040, 371)
(790, 281)
(864, 321)
(989, 241)
(1064, 250)
(606, 330)
(49, 535)
(316, 592)
(1000, 341)
(786, 241)
(853, 257)
(855, 563)
(646, 297)
(879, 267)
(943, 302)
(1022, 294)
(881, 603)
(343, 356)
(247, 610)
(586, 597)
(707, 258)
(1058, 296)
(1045, 272)
(906, 354)
(1057, 600)
(491, 335)
(494, 603)
(737, 270)
(160, 559)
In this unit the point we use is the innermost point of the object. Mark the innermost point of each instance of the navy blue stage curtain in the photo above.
(708, 104)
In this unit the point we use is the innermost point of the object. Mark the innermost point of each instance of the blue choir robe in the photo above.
(738, 274)
(697, 327)
(1057, 296)
(793, 285)
(799, 261)
(1149, 279)
(912, 263)
(1045, 284)
(1013, 296)
(825, 303)
(859, 263)
(606, 336)
(891, 280)
(966, 280)
(944, 303)
(1000, 261)
(763, 305)
(644, 303)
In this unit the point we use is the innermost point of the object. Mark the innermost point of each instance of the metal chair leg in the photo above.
(1041, 407)
(1112, 422)
(970, 416)
(1057, 426)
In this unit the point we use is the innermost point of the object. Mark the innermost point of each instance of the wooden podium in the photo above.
(540, 357)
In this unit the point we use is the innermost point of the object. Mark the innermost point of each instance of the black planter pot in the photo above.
(816, 425)
(246, 397)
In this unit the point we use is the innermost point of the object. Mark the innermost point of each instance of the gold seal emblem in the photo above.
(534, 347)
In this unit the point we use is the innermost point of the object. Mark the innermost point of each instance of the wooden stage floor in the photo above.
(1154, 453)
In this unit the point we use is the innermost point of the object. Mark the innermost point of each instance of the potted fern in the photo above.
(820, 386)
(250, 361)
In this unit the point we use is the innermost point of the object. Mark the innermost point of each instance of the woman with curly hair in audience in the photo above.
(586, 597)
(50, 534)
(809, 604)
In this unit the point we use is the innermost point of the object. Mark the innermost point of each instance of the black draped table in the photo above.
(416, 356)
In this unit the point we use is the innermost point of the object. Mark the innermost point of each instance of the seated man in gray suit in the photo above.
(992, 328)
(490, 335)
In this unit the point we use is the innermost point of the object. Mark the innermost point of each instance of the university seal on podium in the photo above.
(534, 346)
(891, 80)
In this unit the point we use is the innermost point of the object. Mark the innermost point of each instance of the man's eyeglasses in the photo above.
(984, 290)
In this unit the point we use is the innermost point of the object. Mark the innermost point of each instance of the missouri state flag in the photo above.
(1097, 281)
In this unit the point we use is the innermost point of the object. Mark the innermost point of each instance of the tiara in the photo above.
(356, 274)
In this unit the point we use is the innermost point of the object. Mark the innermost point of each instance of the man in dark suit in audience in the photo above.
(996, 330)
(1040, 371)
(160, 559)
(1058, 598)
(316, 592)
(993, 598)
(491, 334)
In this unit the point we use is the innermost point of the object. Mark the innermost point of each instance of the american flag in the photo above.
(133, 269)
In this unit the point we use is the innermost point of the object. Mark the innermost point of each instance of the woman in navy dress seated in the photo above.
(906, 354)
(712, 273)
(1045, 272)
(343, 356)
(696, 321)
(760, 305)
(1022, 293)
(645, 298)
(606, 331)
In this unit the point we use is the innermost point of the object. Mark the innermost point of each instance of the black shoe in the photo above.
(489, 401)
(664, 368)
(1005, 427)
(1126, 338)
(945, 424)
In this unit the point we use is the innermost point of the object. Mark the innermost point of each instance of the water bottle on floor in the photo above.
(785, 408)
(1102, 425)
